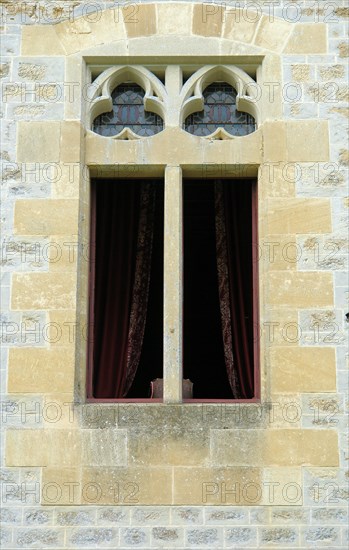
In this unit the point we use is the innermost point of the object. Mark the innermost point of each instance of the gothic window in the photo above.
(128, 112)
(219, 112)
(132, 234)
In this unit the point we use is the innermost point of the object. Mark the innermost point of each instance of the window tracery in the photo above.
(219, 112)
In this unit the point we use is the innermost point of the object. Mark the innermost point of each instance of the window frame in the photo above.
(255, 297)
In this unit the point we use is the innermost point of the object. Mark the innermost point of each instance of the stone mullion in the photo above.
(173, 286)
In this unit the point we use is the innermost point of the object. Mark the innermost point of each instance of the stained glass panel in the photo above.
(128, 112)
(219, 112)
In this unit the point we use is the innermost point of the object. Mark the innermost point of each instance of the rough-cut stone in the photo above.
(328, 534)
(281, 535)
(75, 518)
(32, 537)
(4, 69)
(37, 517)
(149, 515)
(343, 49)
(165, 534)
(111, 515)
(10, 515)
(202, 536)
(31, 71)
(239, 534)
(330, 515)
(92, 537)
(184, 516)
(223, 516)
(134, 536)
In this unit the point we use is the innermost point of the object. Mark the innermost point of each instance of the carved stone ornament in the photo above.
(157, 105)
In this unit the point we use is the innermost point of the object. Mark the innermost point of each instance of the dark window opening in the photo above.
(126, 313)
(203, 350)
(126, 302)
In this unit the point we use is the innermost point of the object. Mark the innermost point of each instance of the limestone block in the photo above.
(46, 217)
(274, 141)
(298, 215)
(174, 18)
(59, 411)
(302, 447)
(165, 447)
(276, 179)
(130, 486)
(63, 329)
(38, 141)
(250, 451)
(279, 447)
(307, 141)
(61, 486)
(66, 181)
(303, 290)
(278, 252)
(43, 448)
(298, 369)
(207, 19)
(39, 370)
(140, 20)
(238, 27)
(71, 137)
(307, 38)
(283, 486)
(40, 40)
(44, 291)
(301, 72)
(272, 34)
(280, 327)
(63, 253)
(102, 448)
(215, 485)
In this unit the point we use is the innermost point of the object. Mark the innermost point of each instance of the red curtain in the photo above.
(124, 235)
(235, 281)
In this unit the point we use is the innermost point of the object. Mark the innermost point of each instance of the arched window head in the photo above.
(128, 112)
(219, 112)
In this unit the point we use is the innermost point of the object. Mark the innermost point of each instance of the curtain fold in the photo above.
(125, 221)
(235, 284)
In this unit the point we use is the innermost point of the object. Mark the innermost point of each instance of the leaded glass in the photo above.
(219, 112)
(128, 112)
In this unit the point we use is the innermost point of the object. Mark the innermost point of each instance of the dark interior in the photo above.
(203, 354)
(150, 366)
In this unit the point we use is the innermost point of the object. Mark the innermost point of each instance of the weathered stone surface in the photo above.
(92, 537)
(280, 535)
(165, 534)
(330, 515)
(240, 534)
(321, 534)
(10, 515)
(37, 517)
(149, 515)
(289, 515)
(113, 515)
(222, 516)
(202, 536)
(80, 517)
(315, 53)
(134, 536)
(184, 516)
(27, 538)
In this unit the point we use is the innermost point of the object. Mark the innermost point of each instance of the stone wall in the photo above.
(269, 474)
